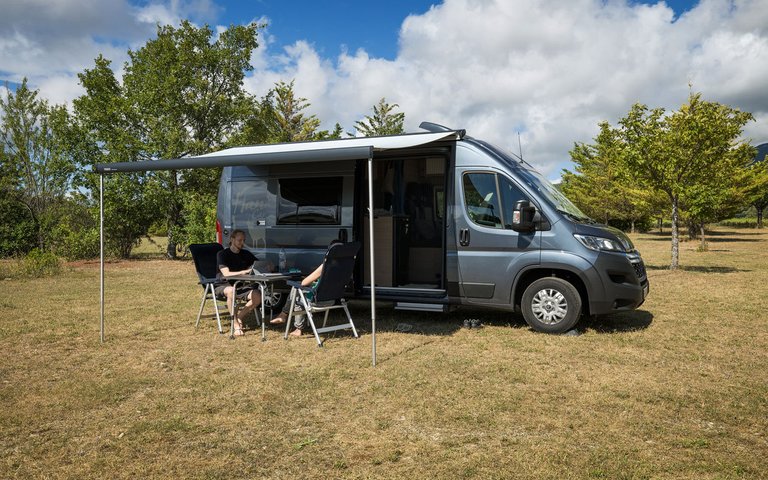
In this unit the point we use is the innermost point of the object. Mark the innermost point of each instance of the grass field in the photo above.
(677, 389)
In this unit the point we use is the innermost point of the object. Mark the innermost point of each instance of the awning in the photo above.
(283, 153)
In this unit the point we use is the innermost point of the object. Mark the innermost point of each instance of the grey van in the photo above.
(456, 221)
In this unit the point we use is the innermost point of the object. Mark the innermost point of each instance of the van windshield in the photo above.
(535, 181)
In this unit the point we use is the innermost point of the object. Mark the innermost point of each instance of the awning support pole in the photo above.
(370, 256)
(101, 254)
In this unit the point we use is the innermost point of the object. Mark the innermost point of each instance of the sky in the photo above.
(548, 70)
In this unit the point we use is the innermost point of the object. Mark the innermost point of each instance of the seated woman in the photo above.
(231, 261)
(300, 321)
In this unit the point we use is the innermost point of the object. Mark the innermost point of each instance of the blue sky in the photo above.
(371, 25)
(332, 25)
(548, 69)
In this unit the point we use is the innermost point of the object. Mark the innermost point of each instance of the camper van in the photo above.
(456, 221)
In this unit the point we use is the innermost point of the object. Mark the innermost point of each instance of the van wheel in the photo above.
(551, 305)
(276, 301)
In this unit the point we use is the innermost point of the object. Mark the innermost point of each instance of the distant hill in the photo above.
(762, 151)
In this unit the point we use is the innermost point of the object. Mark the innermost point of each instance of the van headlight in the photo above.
(599, 243)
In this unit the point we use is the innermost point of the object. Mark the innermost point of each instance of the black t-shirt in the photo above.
(234, 261)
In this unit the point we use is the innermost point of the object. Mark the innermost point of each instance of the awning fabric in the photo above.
(283, 153)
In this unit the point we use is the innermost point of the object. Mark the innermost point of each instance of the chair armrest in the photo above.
(297, 284)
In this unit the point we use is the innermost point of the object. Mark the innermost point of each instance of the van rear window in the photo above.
(314, 200)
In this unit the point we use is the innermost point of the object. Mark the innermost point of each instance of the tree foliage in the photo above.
(693, 155)
(182, 94)
(601, 187)
(35, 169)
(383, 121)
(757, 183)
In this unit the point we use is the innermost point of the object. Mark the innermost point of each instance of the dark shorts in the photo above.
(242, 293)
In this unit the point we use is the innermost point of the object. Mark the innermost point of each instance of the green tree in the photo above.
(600, 186)
(756, 190)
(291, 123)
(36, 169)
(104, 131)
(182, 94)
(680, 153)
(383, 121)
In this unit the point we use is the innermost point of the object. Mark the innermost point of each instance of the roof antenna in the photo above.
(520, 146)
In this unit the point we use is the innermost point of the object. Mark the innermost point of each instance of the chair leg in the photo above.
(349, 317)
(216, 309)
(290, 313)
(312, 324)
(202, 304)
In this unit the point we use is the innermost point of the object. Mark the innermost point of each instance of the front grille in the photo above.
(639, 267)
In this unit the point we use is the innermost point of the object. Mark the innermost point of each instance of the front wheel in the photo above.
(551, 305)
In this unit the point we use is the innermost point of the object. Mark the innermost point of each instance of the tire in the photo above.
(551, 305)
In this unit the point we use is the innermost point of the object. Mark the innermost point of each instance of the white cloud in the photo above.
(50, 42)
(548, 69)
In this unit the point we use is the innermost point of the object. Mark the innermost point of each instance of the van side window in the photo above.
(510, 194)
(310, 201)
(481, 199)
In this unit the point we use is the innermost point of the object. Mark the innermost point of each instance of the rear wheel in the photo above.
(551, 305)
(276, 301)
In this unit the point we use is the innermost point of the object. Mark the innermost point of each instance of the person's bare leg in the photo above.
(254, 300)
(238, 327)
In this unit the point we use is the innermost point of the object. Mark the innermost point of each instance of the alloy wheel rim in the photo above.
(549, 306)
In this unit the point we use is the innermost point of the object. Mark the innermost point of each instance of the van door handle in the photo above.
(464, 237)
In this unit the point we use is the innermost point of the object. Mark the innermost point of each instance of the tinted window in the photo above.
(510, 194)
(481, 199)
(310, 201)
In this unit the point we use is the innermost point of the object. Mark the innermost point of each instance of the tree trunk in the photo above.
(675, 236)
(661, 225)
(759, 216)
(632, 228)
(173, 217)
(692, 230)
(703, 238)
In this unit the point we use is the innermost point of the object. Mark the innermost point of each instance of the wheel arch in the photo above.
(532, 274)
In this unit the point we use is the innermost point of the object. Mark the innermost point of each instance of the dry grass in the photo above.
(678, 389)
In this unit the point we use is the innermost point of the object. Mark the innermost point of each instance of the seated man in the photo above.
(299, 321)
(235, 260)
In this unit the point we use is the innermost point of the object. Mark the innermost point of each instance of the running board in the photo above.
(420, 307)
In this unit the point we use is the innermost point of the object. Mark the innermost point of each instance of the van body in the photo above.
(455, 222)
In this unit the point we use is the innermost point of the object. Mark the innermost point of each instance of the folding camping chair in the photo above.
(204, 256)
(326, 294)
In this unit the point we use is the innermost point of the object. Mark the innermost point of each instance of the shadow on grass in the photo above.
(698, 268)
(618, 322)
(714, 237)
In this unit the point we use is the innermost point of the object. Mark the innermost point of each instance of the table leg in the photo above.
(263, 316)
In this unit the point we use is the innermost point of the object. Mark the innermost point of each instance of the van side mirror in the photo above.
(522, 216)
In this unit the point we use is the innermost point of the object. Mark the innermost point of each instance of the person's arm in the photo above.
(226, 272)
(312, 276)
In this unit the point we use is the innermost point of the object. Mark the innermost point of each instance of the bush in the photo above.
(38, 264)
(83, 244)
(199, 220)
(745, 222)
(18, 230)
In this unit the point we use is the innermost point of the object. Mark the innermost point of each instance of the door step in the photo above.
(420, 307)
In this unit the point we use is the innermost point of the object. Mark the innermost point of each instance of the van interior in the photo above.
(408, 222)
